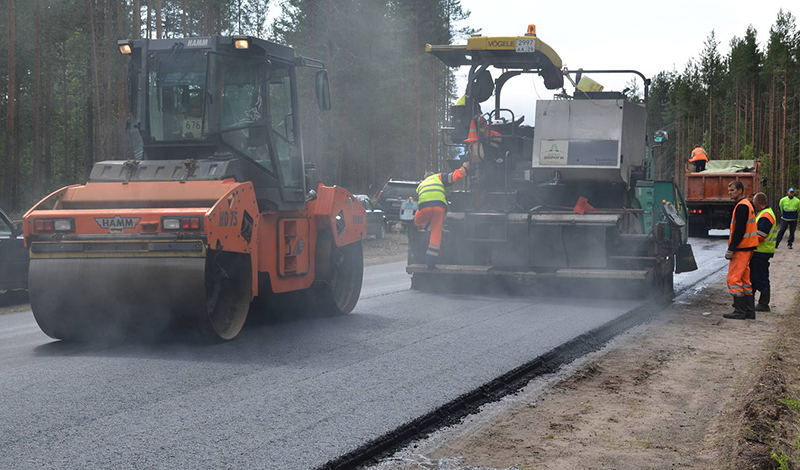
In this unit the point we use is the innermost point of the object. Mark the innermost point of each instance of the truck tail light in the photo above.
(181, 223)
(53, 225)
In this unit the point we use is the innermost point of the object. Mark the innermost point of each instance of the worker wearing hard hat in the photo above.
(759, 265)
(789, 206)
(742, 242)
(432, 207)
(699, 158)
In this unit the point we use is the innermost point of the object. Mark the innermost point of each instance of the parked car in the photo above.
(13, 256)
(376, 219)
(391, 197)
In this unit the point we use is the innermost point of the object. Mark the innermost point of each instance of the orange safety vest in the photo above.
(750, 239)
(698, 154)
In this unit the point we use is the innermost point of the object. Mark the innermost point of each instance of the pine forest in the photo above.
(64, 102)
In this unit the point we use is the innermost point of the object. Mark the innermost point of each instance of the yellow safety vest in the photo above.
(768, 245)
(431, 189)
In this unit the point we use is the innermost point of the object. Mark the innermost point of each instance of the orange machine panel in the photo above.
(272, 249)
(161, 194)
(338, 210)
(293, 247)
(233, 220)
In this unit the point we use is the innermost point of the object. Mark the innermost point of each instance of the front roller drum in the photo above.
(106, 298)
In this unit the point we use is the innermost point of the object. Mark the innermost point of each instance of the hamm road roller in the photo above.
(568, 198)
(216, 208)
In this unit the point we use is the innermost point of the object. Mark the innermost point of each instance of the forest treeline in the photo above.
(742, 105)
(64, 103)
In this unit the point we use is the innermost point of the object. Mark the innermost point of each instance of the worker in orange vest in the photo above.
(699, 158)
(432, 208)
(742, 243)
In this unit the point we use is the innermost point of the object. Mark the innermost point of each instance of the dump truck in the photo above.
(569, 198)
(707, 198)
(217, 207)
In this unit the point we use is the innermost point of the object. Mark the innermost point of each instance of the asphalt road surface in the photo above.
(289, 394)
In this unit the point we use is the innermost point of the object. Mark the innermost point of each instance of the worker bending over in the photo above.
(699, 158)
(432, 207)
(759, 265)
(741, 244)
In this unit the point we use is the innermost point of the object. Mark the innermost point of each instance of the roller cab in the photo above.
(217, 208)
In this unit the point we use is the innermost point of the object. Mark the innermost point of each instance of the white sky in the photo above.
(623, 34)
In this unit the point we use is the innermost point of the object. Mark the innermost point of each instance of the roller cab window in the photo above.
(240, 113)
(175, 90)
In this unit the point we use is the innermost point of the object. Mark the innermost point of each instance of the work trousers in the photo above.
(434, 215)
(791, 225)
(700, 165)
(759, 272)
(739, 274)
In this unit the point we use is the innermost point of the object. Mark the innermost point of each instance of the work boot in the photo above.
(790, 246)
(750, 307)
(738, 310)
(763, 303)
(430, 261)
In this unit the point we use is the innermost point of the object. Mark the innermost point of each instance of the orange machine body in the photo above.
(281, 244)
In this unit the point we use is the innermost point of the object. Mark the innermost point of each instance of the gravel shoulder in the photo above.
(391, 248)
(688, 390)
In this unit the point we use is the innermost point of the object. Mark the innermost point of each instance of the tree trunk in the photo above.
(65, 96)
(89, 137)
(148, 29)
(137, 19)
(184, 18)
(785, 127)
(11, 122)
(37, 100)
(49, 108)
(96, 143)
(159, 30)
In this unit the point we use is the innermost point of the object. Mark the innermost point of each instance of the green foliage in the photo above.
(783, 460)
(742, 105)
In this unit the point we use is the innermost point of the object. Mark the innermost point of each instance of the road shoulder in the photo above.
(688, 389)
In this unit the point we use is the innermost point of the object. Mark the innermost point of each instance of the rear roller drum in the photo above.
(341, 270)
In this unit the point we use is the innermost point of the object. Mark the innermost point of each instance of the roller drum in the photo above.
(97, 298)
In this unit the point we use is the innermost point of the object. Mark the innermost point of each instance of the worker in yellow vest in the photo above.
(699, 158)
(432, 207)
(789, 206)
(742, 242)
(767, 235)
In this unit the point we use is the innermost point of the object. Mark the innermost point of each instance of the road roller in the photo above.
(215, 210)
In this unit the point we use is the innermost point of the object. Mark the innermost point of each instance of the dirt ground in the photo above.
(393, 247)
(688, 390)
